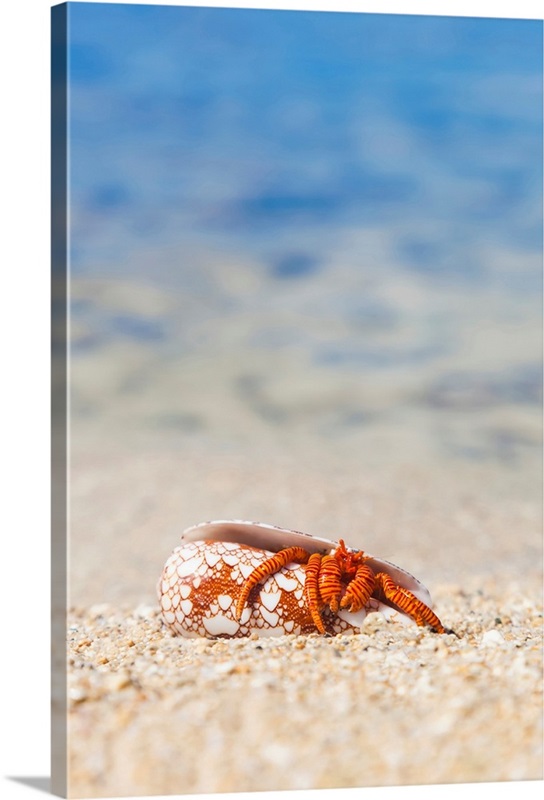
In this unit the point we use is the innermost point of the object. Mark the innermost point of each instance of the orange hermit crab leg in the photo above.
(408, 602)
(330, 582)
(268, 567)
(359, 589)
(311, 590)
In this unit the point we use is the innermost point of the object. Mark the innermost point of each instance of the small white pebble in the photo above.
(117, 680)
(394, 658)
(77, 694)
(278, 754)
(144, 611)
(225, 667)
(492, 638)
(99, 610)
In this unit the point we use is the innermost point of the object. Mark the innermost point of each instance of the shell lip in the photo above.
(256, 534)
(273, 538)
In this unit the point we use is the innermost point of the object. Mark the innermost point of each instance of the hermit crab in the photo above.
(232, 578)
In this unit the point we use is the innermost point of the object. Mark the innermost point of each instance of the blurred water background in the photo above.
(307, 229)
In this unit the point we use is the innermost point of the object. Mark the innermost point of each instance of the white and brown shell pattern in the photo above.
(203, 578)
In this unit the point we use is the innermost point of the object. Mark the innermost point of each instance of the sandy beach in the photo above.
(151, 713)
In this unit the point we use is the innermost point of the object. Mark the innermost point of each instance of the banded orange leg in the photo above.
(312, 590)
(330, 582)
(268, 567)
(409, 603)
(359, 589)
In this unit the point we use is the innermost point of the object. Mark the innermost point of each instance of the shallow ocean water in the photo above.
(309, 224)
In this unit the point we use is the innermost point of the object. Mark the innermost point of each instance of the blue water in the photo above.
(328, 220)
(269, 132)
